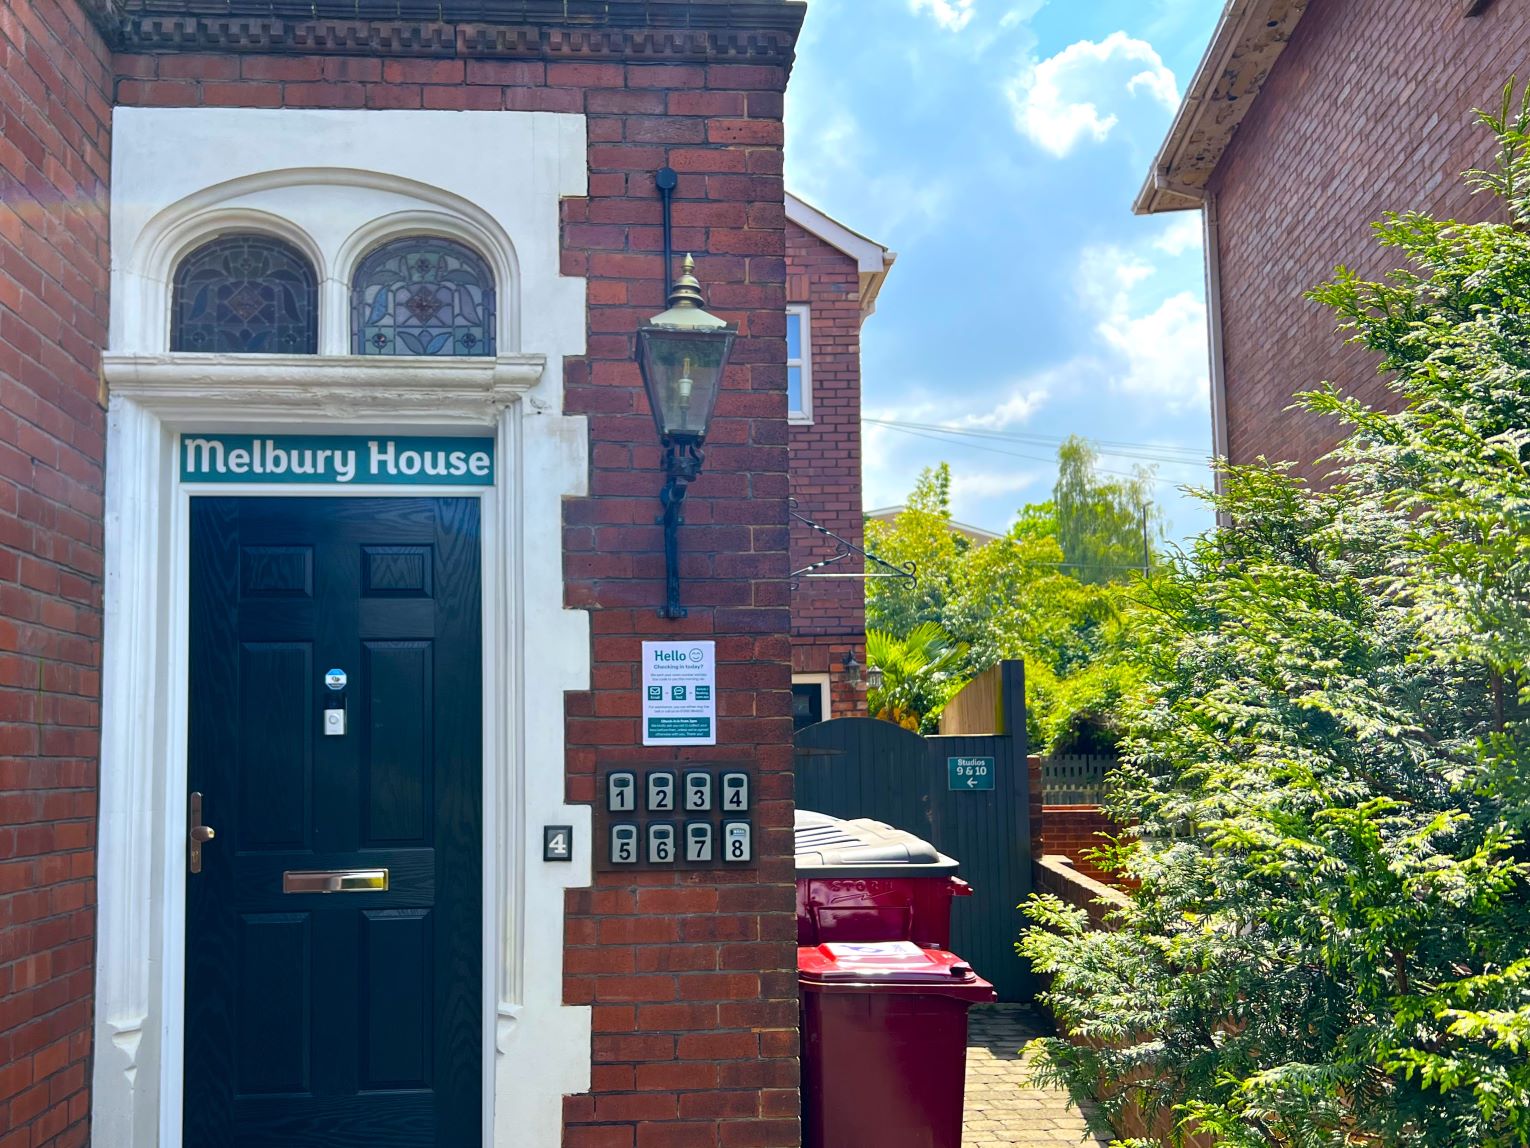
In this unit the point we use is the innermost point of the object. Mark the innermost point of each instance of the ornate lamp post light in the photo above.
(682, 353)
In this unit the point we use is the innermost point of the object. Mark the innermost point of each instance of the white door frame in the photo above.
(535, 1050)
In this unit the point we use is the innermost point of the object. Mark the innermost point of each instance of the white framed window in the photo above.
(810, 700)
(799, 363)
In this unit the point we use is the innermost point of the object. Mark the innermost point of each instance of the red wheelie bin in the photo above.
(861, 880)
(884, 1044)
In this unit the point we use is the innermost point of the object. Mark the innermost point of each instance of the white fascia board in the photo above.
(872, 260)
(1249, 38)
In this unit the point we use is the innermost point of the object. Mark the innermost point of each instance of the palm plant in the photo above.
(919, 674)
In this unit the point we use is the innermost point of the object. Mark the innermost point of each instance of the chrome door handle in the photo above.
(335, 881)
(198, 835)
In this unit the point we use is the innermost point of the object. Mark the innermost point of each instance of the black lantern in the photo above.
(852, 668)
(682, 353)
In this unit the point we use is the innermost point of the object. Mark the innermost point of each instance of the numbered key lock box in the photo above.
(700, 843)
(698, 791)
(737, 843)
(621, 791)
(663, 847)
(661, 792)
(624, 843)
(735, 791)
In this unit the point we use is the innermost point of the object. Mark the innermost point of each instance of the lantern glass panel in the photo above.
(682, 372)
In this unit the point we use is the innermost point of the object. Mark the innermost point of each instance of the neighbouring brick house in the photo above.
(1305, 123)
(833, 276)
(208, 209)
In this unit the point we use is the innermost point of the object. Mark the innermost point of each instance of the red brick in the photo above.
(423, 71)
(294, 68)
(56, 88)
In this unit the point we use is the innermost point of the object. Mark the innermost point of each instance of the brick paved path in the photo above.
(1004, 1110)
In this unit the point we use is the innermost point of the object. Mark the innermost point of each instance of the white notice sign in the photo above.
(679, 693)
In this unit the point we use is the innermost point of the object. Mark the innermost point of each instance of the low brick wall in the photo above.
(1055, 874)
(1074, 831)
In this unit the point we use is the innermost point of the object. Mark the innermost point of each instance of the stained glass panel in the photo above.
(245, 294)
(423, 296)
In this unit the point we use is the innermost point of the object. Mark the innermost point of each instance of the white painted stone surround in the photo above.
(336, 183)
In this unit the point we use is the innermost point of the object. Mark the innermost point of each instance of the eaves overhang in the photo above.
(1248, 40)
(872, 260)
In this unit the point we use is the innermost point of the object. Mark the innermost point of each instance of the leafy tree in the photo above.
(921, 536)
(1013, 597)
(1104, 526)
(1330, 762)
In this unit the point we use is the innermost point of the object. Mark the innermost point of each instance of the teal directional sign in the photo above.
(337, 460)
(970, 773)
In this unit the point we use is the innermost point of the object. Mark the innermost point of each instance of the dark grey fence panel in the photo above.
(860, 767)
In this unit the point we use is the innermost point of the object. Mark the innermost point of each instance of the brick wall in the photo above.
(829, 614)
(1072, 831)
(1367, 110)
(54, 144)
(691, 975)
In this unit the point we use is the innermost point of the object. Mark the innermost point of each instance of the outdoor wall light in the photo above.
(873, 676)
(682, 353)
(852, 668)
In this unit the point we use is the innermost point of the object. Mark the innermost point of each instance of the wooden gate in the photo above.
(861, 767)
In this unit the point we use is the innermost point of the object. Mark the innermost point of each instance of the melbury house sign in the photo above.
(337, 460)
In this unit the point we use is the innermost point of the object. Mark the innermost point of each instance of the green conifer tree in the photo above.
(1330, 767)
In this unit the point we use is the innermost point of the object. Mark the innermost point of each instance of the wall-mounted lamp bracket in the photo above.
(682, 465)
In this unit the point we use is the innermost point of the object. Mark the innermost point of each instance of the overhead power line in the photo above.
(1150, 452)
(950, 437)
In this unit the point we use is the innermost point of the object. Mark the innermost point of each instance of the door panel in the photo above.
(324, 1020)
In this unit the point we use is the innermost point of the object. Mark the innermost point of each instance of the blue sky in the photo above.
(997, 145)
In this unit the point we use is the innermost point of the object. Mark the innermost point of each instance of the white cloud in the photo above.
(832, 161)
(1017, 408)
(972, 489)
(1156, 354)
(1054, 101)
(1165, 350)
(952, 15)
(1020, 13)
(892, 458)
(1181, 235)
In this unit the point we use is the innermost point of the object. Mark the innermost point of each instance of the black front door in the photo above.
(352, 1018)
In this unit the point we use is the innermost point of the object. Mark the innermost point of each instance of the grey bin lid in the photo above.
(834, 847)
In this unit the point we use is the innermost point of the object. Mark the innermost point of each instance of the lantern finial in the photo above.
(686, 291)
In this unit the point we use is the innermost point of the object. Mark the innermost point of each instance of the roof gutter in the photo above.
(1211, 245)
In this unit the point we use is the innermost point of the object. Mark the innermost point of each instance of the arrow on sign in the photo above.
(972, 783)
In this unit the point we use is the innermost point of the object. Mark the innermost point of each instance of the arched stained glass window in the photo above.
(245, 294)
(423, 296)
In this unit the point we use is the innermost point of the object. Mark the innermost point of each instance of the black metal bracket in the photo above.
(847, 549)
(682, 466)
(666, 179)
